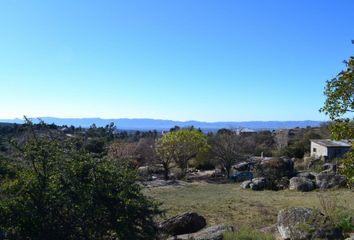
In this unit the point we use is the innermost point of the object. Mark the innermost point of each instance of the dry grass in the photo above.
(228, 203)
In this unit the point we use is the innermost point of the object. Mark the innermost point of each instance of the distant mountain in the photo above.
(150, 124)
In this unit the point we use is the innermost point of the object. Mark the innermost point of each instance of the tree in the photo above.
(180, 147)
(227, 148)
(61, 192)
(123, 152)
(339, 106)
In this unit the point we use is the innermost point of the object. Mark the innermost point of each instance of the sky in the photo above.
(207, 60)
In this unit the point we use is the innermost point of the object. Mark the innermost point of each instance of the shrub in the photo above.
(60, 192)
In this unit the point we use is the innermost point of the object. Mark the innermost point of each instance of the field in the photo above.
(228, 203)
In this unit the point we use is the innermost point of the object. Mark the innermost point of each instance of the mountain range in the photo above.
(150, 124)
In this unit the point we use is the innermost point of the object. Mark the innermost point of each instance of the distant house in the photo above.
(329, 149)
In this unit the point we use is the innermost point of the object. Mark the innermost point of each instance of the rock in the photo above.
(330, 180)
(243, 166)
(242, 176)
(305, 224)
(301, 184)
(290, 221)
(329, 168)
(258, 184)
(189, 222)
(246, 184)
(309, 175)
(211, 233)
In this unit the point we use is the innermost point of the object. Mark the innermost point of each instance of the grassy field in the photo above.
(228, 203)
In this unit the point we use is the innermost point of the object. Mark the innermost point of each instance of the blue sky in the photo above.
(225, 60)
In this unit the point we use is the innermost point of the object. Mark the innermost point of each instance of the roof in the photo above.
(332, 143)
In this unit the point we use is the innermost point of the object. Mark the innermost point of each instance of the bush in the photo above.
(60, 192)
(247, 234)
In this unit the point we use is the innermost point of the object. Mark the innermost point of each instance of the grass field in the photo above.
(228, 203)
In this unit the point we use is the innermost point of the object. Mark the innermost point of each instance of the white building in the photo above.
(329, 149)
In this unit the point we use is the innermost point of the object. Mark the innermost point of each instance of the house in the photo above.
(329, 149)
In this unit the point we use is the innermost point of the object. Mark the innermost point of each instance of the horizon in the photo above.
(159, 119)
(225, 61)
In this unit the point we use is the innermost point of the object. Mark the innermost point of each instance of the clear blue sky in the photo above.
(210, 60)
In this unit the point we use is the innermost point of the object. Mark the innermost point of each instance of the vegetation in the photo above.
(228, 149)
(60, 191)
(179, 147)
(247, 234)
(229, 204)
(339, 106)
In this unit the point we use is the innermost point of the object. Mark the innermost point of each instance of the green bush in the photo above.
(247, 234)
(60, 192)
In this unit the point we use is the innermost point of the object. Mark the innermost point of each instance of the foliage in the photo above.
(339, 106)
(61, 192)
(247, 234)
(180, 147)
(347, 167)
(336, 213)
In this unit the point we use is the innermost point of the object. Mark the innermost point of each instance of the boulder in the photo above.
(242, 176)
(290, 223)
(246, 184)
(258, 184)
(301, 184)
(211, 233)
(309, 175)
(243, 166)
(189, 222)
(330, 180)
(305, 224)
(329, 168)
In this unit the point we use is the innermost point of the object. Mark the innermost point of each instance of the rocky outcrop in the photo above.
(330, 180)
(301, 184)
(189, 222)
(211, 233)
(304, 224)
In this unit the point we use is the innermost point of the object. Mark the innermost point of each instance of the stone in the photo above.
(301, 184)
(188, 222)
(329, 168)
(305, 224)
(290, 221)
(258, 184)
(211, 233)
(309, 175)
(246, 184)
(330, 180)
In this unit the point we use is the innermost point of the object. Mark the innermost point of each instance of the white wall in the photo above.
(320, 150)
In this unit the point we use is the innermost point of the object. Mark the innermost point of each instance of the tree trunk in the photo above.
(166, 172)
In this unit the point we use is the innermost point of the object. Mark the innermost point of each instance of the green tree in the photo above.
(339, 106)
(61, 192)
(179, 147)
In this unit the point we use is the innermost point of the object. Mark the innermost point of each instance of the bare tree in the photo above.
(227, 148)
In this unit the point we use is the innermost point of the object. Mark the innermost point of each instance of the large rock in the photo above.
(243, 166)
(246, 184)
(290, 222)
(329, 168)
(189, 222)
(211, 233)
(301, 184)
(330, 180)
(304, 224)
(258, 184)
(309, 175)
